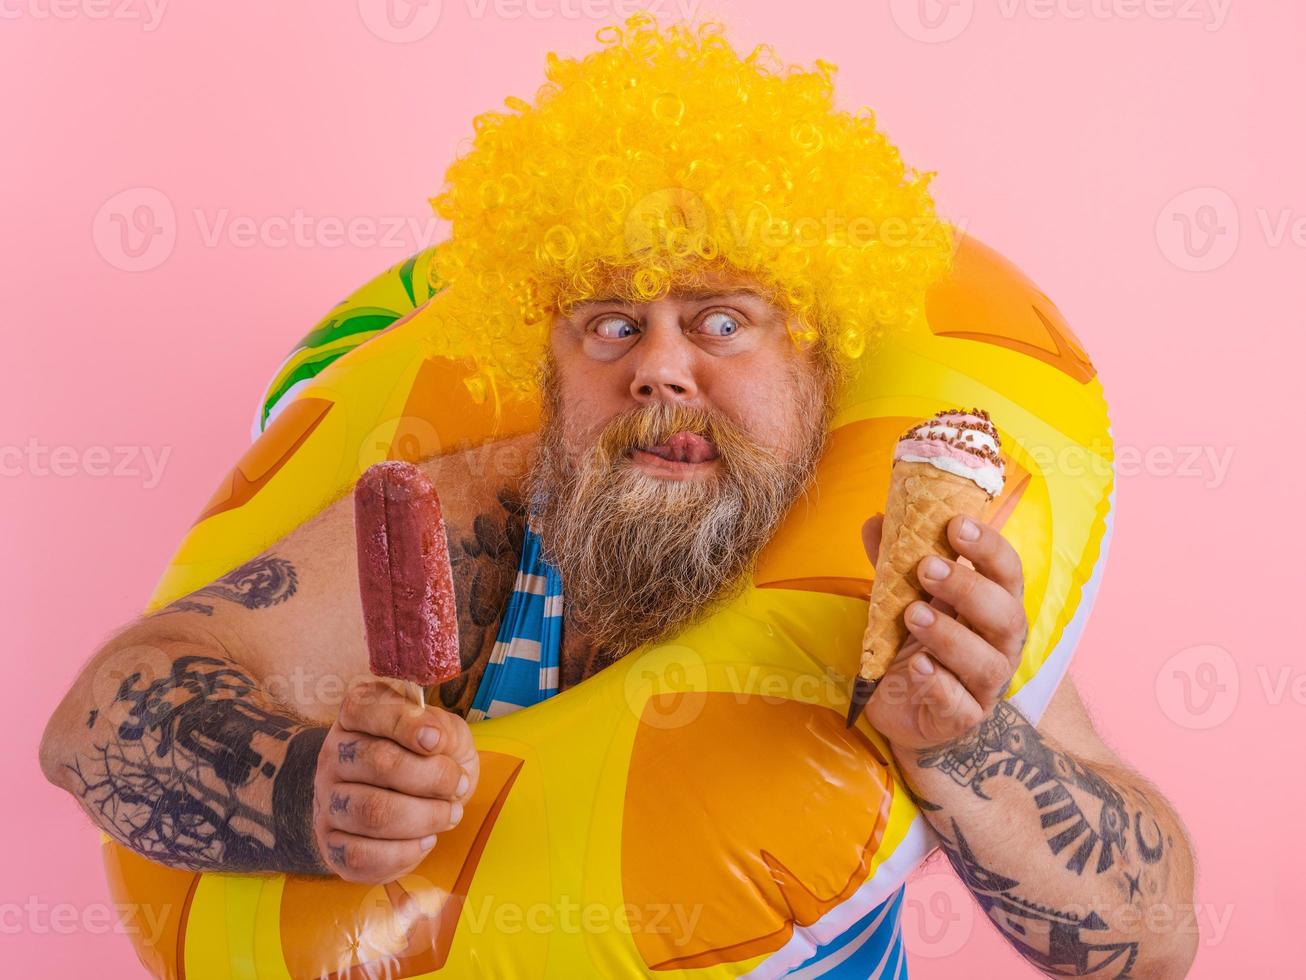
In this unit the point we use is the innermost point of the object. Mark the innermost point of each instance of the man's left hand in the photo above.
(965, 644)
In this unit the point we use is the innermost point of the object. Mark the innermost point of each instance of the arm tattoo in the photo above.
(1082, 814)
(1058, 942)
(257, 584)
(484, 566)
(201, 770)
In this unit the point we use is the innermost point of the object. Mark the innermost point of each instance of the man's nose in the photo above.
(664, 364)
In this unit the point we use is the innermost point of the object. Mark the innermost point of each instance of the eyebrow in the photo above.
(703, 292)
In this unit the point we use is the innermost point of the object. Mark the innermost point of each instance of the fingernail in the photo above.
(921, 664)
(428, 737)
(462, 786)
(427, 842)
(455, 813)
(935, 568)
(920, 615)
(969, 530)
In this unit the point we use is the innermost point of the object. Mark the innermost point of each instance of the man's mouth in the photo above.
(683, 447)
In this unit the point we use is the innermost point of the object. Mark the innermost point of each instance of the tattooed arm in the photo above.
(176, 752)
(1077, 860)
(192, 736)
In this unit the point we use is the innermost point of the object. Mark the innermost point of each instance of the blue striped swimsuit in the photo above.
(523, 670)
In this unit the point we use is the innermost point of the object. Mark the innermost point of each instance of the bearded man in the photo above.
(607, 256)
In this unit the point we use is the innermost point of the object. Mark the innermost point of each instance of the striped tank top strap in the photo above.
(523, 667)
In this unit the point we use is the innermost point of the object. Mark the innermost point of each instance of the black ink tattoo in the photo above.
(1060, 943)
(1150, 853)
(484, 565)
(257, 584)
(1134, 888)
(201, 770)
(922, 804)
(337, 852)
(187, 605)
(1079, 810)
(90, 718)
(580, 657)
(339, 803)
(348, 751)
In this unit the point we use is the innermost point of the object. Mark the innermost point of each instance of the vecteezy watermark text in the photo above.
(148, 12)
(36, 459)
(40, 918)
(938, 21)
(300, 229)
(1207, 463)
(407, 21)
(137, 229)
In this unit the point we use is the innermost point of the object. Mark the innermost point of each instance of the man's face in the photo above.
(676, 434)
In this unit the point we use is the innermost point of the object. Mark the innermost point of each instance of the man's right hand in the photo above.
(390, 777)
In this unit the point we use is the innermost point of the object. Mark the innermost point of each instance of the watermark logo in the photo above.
(407, 438)
(136, 229)
(662, 218)
(667, 687)
(938, 915)
(400, 21)
(1198, 687)
(1198, 229)
(932, 21)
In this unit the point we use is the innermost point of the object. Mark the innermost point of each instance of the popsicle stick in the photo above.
(415, 693)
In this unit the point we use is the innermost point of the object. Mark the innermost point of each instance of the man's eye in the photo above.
(614, 328)
(720, 324)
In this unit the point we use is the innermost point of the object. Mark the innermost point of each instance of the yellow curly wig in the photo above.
(657, 157)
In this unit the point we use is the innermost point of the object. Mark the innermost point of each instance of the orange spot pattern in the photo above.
(269, 453)
(858, 457)
(987, 299)
(792, 841)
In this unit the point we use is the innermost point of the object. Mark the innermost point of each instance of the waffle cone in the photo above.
(922, 499)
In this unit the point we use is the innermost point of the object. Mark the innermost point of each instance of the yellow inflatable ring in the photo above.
(712, 773)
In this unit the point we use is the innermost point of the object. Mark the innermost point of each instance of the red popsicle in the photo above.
(404, 577)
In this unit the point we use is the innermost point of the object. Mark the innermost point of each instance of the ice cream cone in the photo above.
(944, 467)
(922, 500)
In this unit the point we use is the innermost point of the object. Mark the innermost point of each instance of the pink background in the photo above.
(1080, 146)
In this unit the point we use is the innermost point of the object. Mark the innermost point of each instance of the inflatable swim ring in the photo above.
(698, 809)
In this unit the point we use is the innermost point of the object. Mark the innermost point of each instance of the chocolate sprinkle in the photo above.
(956, 419)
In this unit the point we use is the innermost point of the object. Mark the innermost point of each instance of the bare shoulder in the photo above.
(292, 615)
(467, 478)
